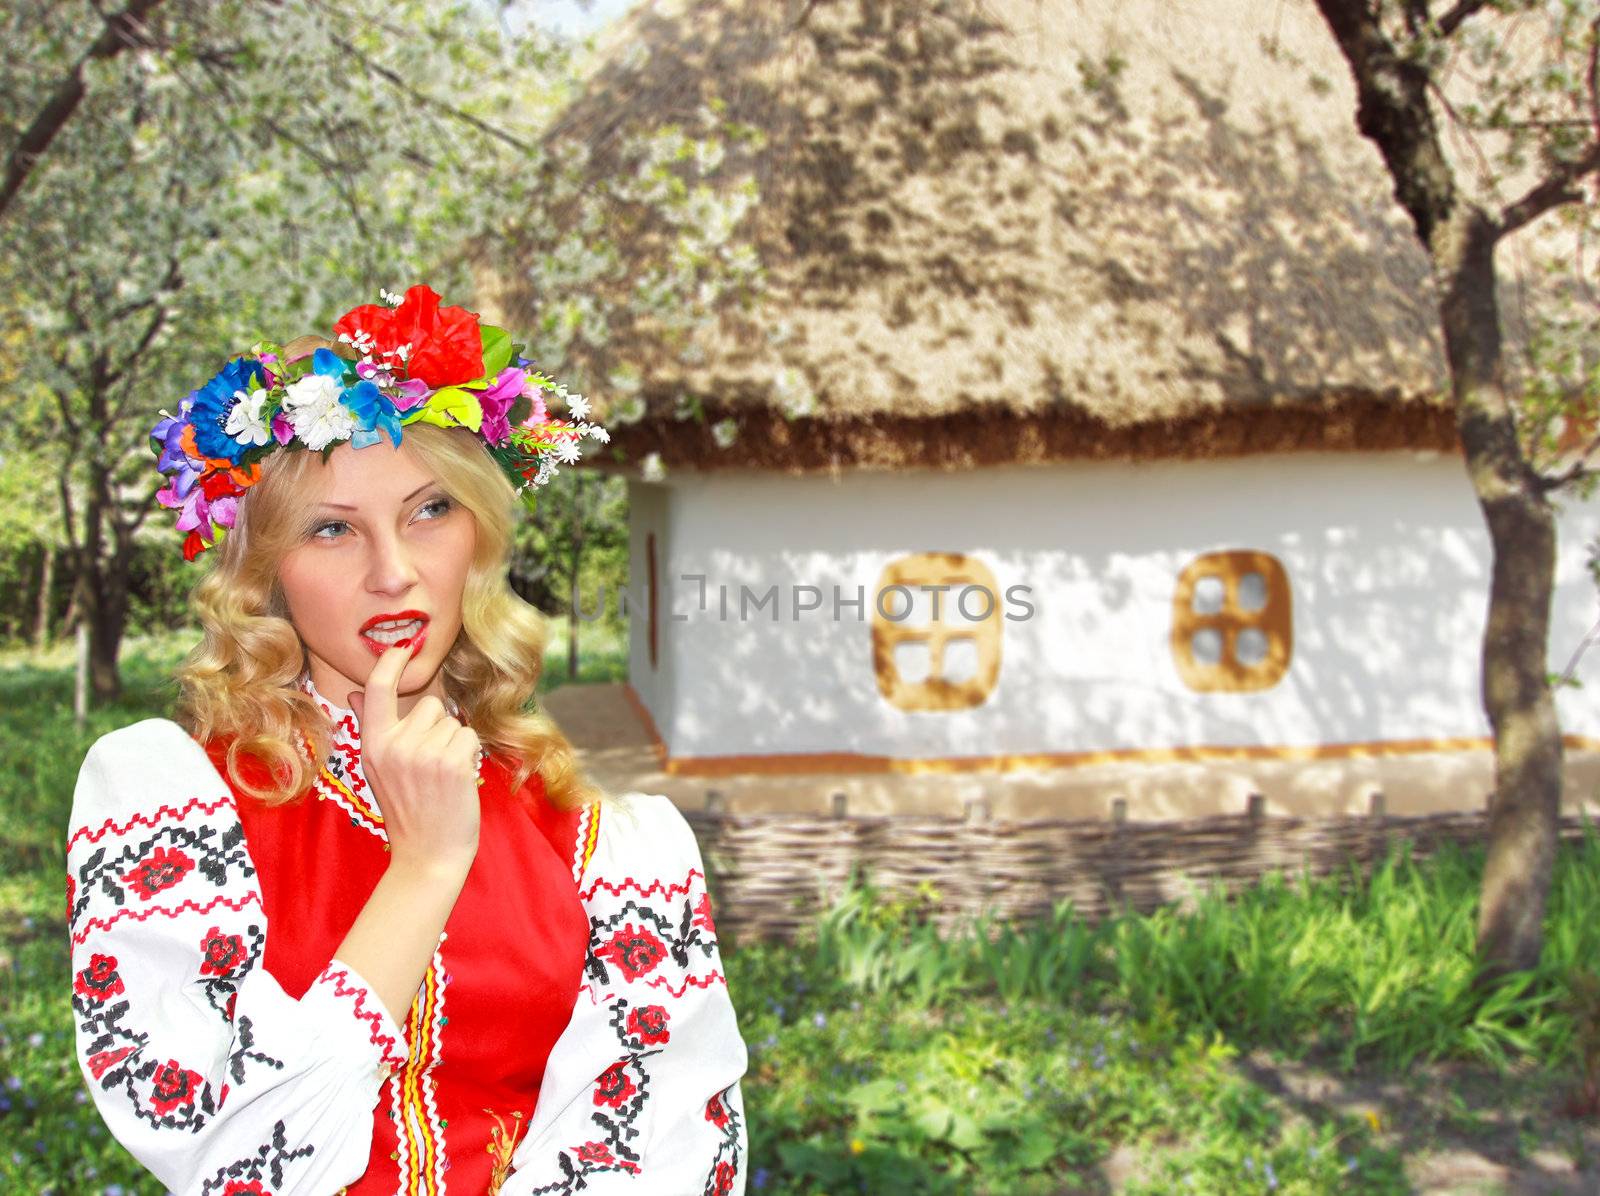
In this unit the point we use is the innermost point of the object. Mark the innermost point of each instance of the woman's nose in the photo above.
(391, 569)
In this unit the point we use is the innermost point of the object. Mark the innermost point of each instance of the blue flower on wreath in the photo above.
(214, 402)
(373, 410)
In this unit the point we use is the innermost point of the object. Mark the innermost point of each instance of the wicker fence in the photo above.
(769, 873)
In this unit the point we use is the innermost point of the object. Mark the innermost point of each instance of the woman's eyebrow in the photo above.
(339, 506)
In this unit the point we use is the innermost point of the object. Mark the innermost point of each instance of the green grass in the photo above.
(887, 1057)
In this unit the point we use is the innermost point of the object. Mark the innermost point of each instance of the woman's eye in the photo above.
(440, 505)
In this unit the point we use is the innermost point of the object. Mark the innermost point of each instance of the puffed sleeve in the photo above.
(202, 1066)
(641, 1091)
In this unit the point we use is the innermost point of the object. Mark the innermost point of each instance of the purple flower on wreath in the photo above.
(174, 460)
(496, 402)
(373, 411)
(213, 403)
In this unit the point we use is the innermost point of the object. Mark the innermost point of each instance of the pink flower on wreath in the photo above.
(634, 950)
(614, 1086)
(649, 1024)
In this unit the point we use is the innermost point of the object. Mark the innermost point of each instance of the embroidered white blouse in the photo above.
(219, 1081)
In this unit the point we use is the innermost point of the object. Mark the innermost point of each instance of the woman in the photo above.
(356, 922)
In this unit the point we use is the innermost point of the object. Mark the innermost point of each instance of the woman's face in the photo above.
(387, 543)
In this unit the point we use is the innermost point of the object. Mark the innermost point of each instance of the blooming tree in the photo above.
(1487, 115)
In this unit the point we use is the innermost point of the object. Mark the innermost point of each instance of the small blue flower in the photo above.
(758, 1180)
(819, 1019)
(1250, 1163)
(1272, 1178)
(1350, 1163)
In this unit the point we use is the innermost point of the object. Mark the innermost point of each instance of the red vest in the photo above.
(500, 988)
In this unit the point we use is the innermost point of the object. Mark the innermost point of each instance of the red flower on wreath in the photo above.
(161, 869)
(649, 1022)
(634, 950)
(446, 343)
(614, 1086)
(716, 1111)
(220, 953)
(100, 980)
(174, 1085)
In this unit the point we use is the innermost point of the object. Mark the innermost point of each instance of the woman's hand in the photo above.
(423, 770)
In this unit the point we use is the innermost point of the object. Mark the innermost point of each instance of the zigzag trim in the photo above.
(110, 825)
(588, 837)
(630, 883)
(385, 1042)
(698, 982)
(234, 903)
(355, 809)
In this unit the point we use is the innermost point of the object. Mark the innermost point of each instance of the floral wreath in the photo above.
(400, 362)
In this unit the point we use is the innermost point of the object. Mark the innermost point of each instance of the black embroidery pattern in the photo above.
(243, 1177)
(141, 880)
(161, 861)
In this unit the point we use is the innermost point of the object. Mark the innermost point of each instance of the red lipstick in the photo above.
(413, 641)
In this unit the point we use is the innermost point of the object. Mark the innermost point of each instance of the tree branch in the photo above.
(1555, 189)
(121, 31)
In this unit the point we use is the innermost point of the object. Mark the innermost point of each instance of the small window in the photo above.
(936, 650)
(1231, 622)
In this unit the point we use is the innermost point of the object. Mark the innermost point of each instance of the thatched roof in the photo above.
(1014, 230)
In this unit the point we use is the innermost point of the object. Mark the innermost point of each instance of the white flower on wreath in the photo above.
(568, 450)
(247, 422)
(579, 406)
(312, 407)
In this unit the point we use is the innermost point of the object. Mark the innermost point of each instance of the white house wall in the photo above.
(1386, 555)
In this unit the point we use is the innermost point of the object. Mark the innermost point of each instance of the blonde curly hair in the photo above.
(242, 679)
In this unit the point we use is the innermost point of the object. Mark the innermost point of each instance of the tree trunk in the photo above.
(576, 560)
(1524, 810)
(41, 623)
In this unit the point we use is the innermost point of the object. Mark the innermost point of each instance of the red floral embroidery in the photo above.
(100, 1063)
(233, 999)
(165, 867)
(702, 913)
(716, 1111)
(600, 1154)
(100, 980)
(72, 891)
(221, 953)
(634, 950)
(174, 1085)
(614, 1086)
(723, 1181)
(239, 1187)
(649, 1023)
